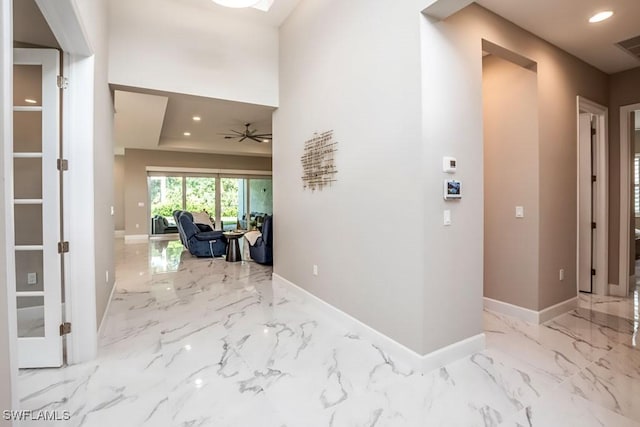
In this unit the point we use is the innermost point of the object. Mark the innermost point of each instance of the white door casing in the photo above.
(623, 288)
(600, 203)
(44, 350)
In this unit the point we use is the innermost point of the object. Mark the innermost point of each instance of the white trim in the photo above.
(26, 109)
(6, 196)
(64, 20)
(512, 310)
(528, 315)
(453, 352)
(210, 171)
(602, 193)
(622, 289)
(106, 310)
(27, 155)
(557, 309)
(119, 234)
(79, 218)
(136, 238)
(419, 363)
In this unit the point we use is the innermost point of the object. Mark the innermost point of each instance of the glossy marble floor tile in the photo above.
(203, 342)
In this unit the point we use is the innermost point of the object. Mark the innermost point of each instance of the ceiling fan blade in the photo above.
(242, 139)
(263, 135)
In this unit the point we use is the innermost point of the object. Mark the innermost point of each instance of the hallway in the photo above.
(201, 342)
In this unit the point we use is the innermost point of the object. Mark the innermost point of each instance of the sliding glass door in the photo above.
(233, 202)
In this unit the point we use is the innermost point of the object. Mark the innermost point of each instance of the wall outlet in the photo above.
(32, 278)
(141, 204)
(137, 225)
(315, 270)
(561, 274)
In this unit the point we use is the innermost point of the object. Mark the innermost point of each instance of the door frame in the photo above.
(622, 288)
(600, 285)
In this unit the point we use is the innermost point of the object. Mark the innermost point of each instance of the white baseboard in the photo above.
(530, 316)
(450, 353)
(118, 233)
(136, 238)
(557, 309)
(106, 309)
(419, 363)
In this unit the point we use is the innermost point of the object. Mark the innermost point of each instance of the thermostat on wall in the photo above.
(452, 189)
(449, 164)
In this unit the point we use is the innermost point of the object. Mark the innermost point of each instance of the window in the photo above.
(231, 201)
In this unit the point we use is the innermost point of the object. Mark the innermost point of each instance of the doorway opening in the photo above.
(629, 198)
(511, 181)
(592, 212)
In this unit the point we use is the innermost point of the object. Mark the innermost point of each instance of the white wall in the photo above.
(186, 47)
(94, 15)
(354, 67)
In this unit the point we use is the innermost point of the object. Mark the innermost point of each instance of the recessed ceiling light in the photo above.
(265, 140)
(601, 16)
(30, 101)
(196, 118)
(237, 3)
(187, 134)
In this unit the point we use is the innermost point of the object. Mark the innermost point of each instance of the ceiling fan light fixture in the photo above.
(601, 16)
(237, 4)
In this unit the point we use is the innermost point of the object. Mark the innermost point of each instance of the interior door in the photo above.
(585, 208)
(36, 199)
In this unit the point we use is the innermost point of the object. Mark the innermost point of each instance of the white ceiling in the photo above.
(155, 120)
(564, 23)
(276, 15)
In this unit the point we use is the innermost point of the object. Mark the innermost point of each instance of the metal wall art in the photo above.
(318, 165)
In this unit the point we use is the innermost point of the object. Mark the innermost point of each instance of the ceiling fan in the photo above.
(248, 134)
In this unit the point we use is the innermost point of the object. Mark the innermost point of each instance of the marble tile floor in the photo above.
(202, 342)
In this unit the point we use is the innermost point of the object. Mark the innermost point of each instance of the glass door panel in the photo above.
(260, 200)
(27, 132)
(201, 194)
(233, 203)
(27, 183)
(37, 220)
(30, 316)
(165, 196)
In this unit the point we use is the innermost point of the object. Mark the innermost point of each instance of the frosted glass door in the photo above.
(36, 210)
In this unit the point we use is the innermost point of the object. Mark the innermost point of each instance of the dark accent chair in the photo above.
(202, 227)
(262, 251)
(201, 243)
(160, 225)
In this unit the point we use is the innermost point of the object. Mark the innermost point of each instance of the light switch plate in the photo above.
(519, 211)
(447, 217)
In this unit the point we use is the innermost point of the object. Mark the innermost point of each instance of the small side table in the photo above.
(233, 248)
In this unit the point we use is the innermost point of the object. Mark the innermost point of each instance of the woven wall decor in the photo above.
(318, 168)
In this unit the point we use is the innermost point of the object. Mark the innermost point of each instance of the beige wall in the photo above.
(118, 192)
(624, 90)
(561, 78)
(135, 175)
(511, 164)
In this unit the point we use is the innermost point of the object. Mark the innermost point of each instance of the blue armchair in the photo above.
(176, 216)
(262, 251)
(201, 243)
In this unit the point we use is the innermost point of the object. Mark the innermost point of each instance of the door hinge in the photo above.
(62, 82)
(593, 131)
(65, 328)
(593, 225)
(63, 164)
(63, 247)
(593, 178)
(593, 271)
